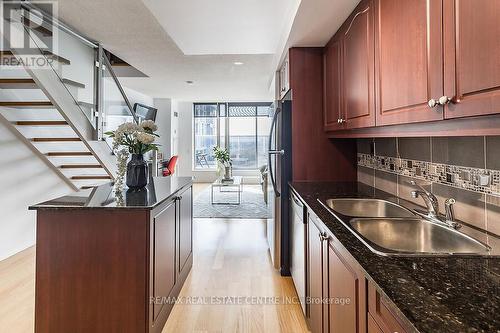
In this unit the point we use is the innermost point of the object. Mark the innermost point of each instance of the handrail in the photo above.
(34, 10)
(113, 75)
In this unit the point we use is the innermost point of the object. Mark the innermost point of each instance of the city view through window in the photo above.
(242, 128)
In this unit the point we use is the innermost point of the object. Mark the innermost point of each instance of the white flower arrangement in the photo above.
(130, 138)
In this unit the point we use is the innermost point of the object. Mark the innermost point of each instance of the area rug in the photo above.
(252, 204)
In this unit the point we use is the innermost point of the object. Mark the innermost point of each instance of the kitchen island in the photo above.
(113, 263)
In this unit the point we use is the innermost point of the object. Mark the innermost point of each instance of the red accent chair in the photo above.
(170, 166)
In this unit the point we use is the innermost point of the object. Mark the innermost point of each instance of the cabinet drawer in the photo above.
(380, 312)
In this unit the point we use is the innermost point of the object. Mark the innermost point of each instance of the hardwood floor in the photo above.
(231, 263)
(17, 292)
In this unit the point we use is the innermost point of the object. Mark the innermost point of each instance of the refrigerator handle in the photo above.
(273, 152)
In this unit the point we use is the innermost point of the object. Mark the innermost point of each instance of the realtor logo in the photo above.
(29, 36)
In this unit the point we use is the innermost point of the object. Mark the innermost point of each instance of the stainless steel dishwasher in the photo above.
(298, 248)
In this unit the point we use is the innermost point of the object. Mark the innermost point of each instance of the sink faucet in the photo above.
(432, 204)
(430, 199)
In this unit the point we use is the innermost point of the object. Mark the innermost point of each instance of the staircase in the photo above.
(60, 106)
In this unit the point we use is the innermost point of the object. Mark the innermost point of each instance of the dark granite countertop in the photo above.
(159, 190)
(435, 294)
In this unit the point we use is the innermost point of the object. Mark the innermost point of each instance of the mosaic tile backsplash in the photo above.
(468, 178)
(464, 168)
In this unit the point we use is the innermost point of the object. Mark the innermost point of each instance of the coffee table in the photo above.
(227, 187)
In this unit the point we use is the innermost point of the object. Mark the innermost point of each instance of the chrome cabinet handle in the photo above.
(323, 236)
(432, 103)
(341, 121)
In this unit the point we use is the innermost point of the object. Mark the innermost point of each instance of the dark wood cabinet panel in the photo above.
(343, 291)
(409, 61)
(164, 256)
(185, 227)
(314, 156)
(358, 89)
(332, 78)
(372, 325)
(472, 53)
(381, 314)
(315, 277)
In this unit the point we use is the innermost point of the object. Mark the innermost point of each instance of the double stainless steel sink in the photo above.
(387, 228)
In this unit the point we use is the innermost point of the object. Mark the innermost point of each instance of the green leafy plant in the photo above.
(222, 156)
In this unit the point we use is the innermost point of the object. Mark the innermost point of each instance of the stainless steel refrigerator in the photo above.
(279, 174)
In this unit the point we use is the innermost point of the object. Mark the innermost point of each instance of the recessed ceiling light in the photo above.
(238, 63)
(189, 82)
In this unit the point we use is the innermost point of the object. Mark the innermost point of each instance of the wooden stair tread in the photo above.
(47, 53)
(55, 139)
(27, 104)
(41, 123)
(14, 83)
(68, 153)
(80, 166)
(90, 177)
(88, 187)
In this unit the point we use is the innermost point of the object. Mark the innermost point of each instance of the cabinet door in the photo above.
(332, 78)
(472, 53)
(185, 227)
(379, 311)
(358, 68)
(344, 294)
(164, 255)
(315, 277)
(409, 61)
(372, 325)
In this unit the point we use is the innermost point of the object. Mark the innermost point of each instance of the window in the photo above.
(205, 134)
(241, 127)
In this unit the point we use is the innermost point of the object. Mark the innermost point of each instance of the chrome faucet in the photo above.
(450, 216)
(432, 204)
(430, 199)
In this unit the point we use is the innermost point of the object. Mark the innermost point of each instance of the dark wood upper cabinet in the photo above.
(409, 61)
(358, 89)
(332, 67)
(472, 53)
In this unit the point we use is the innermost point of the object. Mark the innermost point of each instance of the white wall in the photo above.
(26, 180)
(163, 120)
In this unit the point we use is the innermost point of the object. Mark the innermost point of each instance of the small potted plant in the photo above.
(222, 157)
(135, 139)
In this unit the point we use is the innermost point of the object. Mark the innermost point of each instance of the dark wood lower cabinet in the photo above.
(381, 313)
(163, 257)
(346, 293)
(337, 289)
(372, 325)
(111, 269)
(185, 217)
(315, 277)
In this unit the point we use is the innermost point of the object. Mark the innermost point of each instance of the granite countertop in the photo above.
(435, 294)
(159, 190)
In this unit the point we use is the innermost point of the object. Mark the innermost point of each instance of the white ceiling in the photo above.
(223, 26)
(174, 45)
